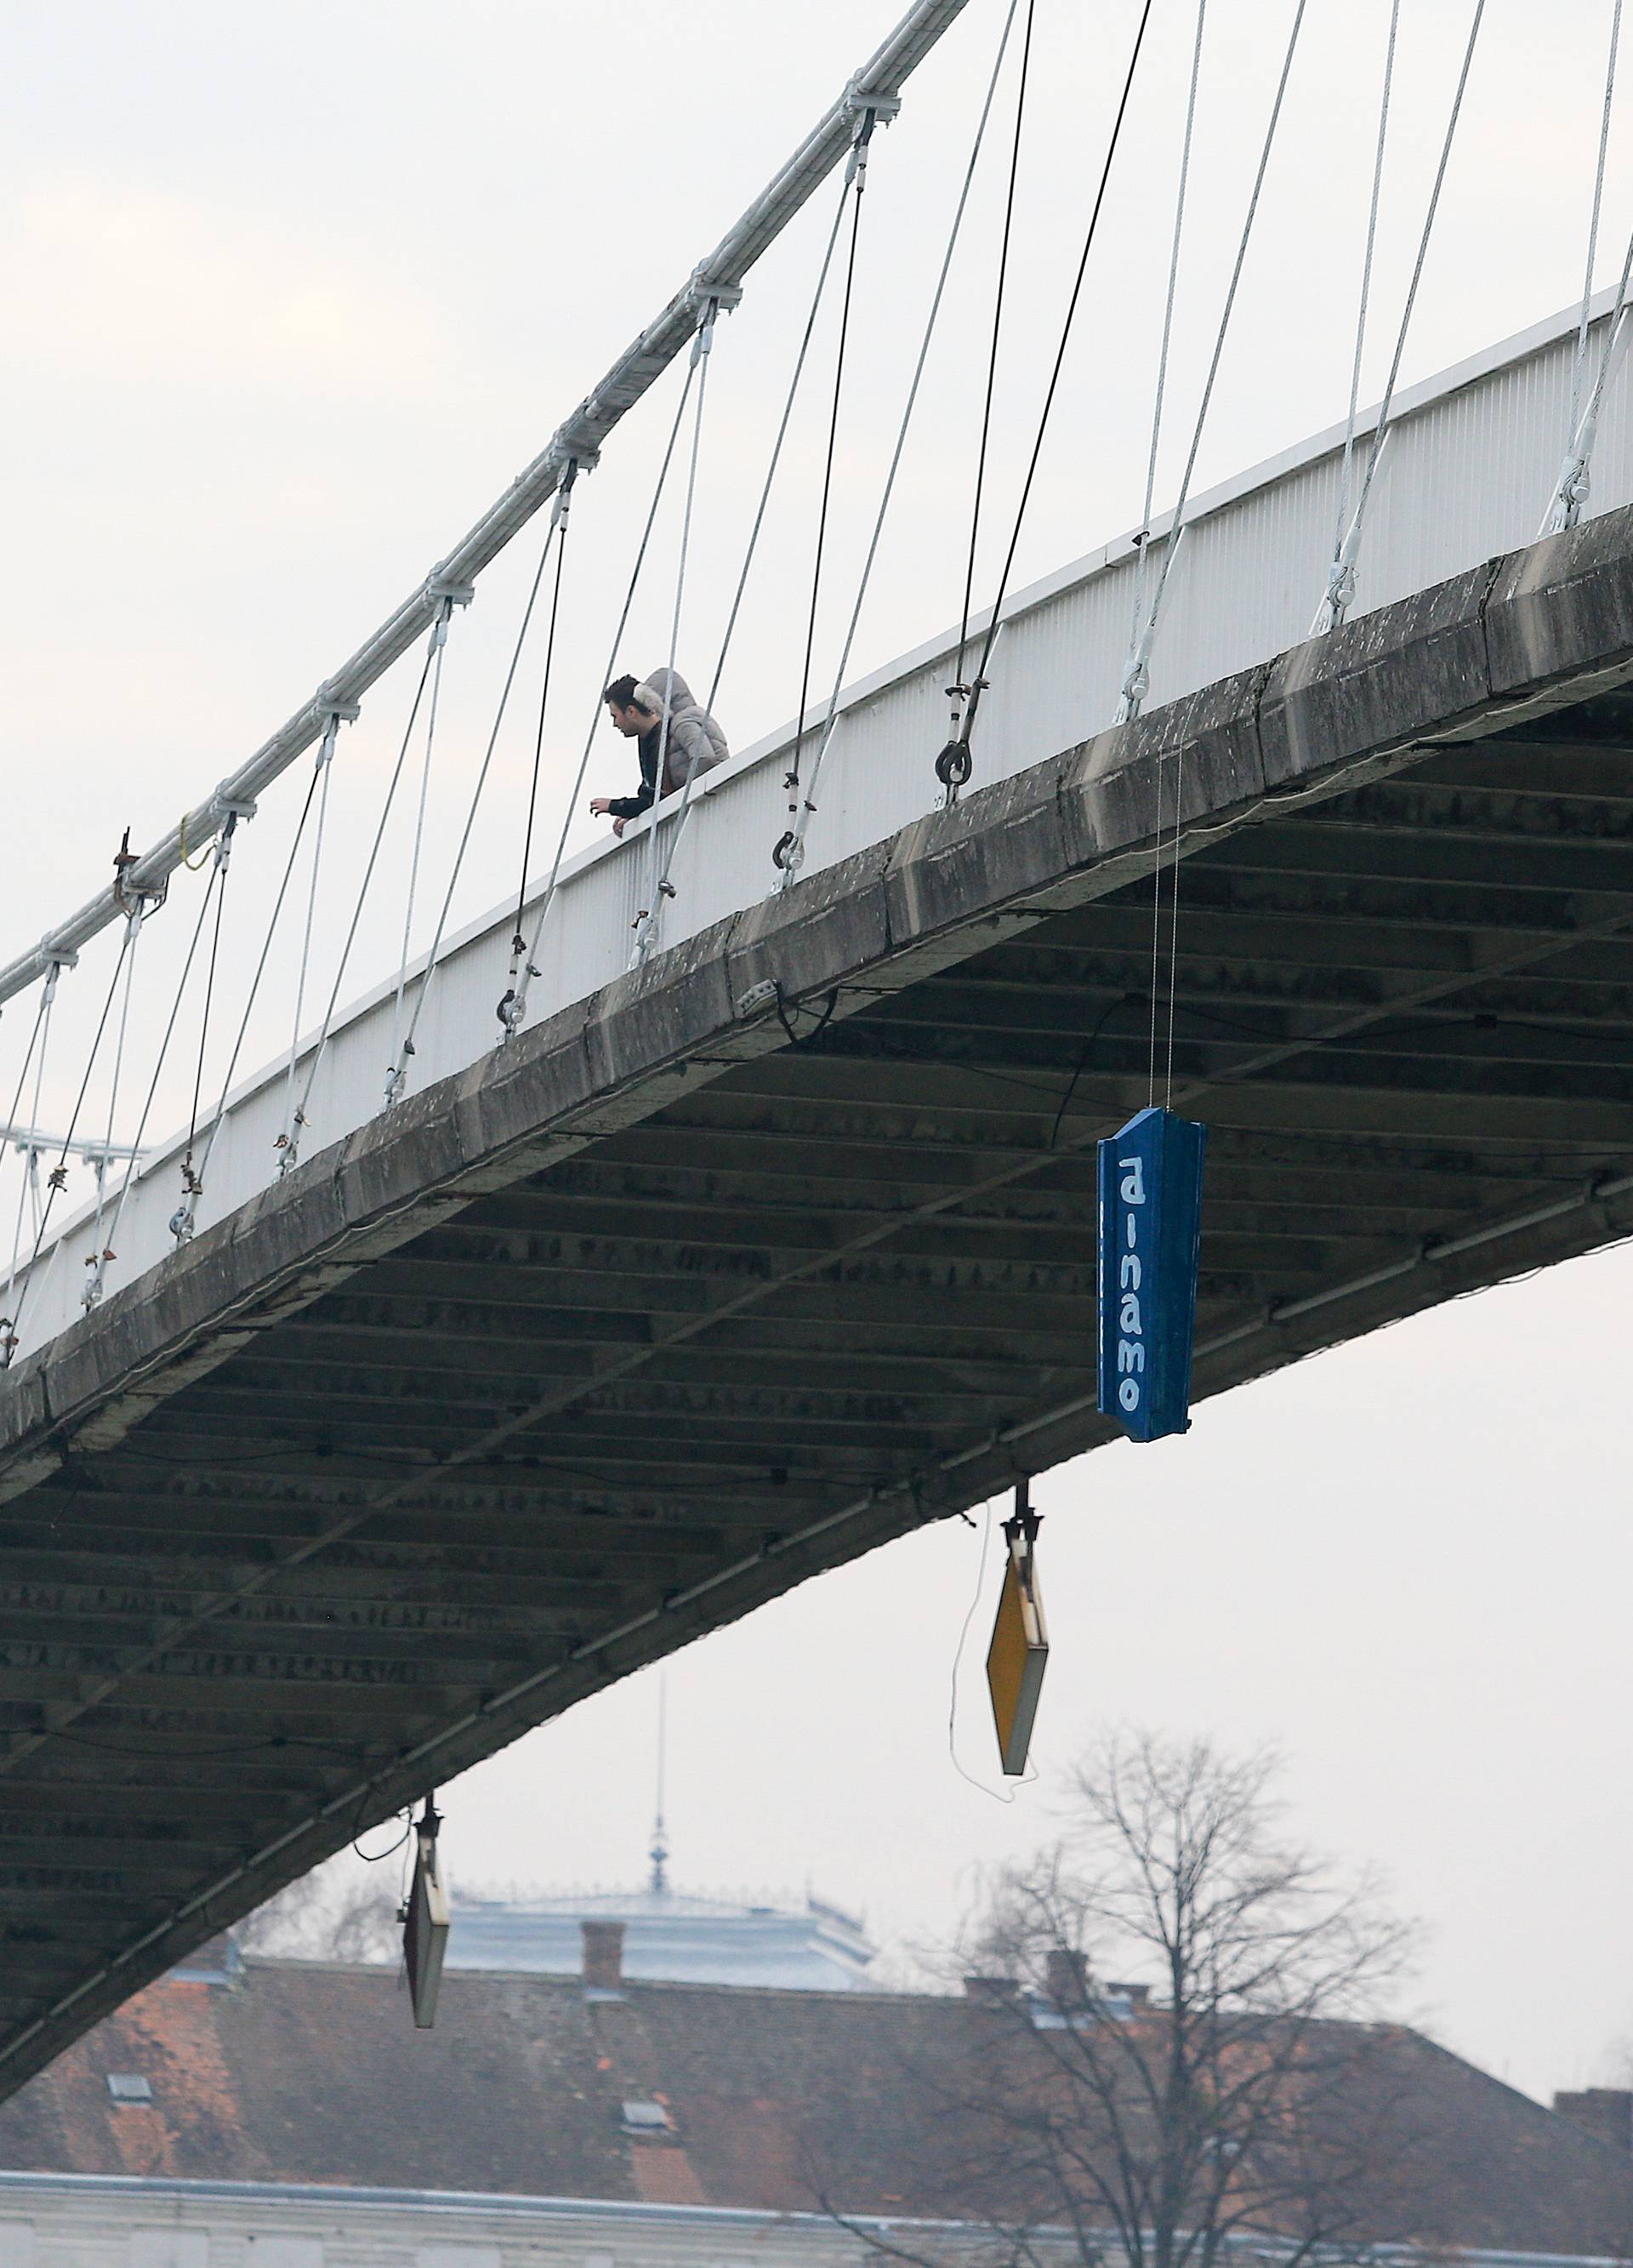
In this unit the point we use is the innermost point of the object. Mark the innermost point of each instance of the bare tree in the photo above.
(340, 1912)
(1238, 2088)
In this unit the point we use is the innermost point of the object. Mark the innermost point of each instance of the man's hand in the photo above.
(600, 805)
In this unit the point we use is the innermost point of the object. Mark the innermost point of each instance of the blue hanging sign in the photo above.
(1150, 1230)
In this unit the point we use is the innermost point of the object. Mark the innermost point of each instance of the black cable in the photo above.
(1055, 374)
(997, 322)
(544, 702)
(792, 780)
(1089, 1046)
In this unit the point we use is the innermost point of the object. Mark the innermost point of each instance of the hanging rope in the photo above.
(553, 534)
(982, 667)
(1571, 490)
(1341, 579)
(295, 1118)
(439, 647)
(788, 855)
(1137, 681)
(646, 918)
(952, 766)
(513, 1007)
(1143, 540)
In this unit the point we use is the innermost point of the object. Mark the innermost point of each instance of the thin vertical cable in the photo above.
(997, 324)
(1337, 593)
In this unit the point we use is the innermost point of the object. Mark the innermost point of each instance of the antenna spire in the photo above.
(660, 1852)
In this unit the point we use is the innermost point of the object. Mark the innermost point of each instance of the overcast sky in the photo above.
(292, 293)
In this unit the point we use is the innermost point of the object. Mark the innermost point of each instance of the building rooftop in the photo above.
(670, 1936)
(698, 2096)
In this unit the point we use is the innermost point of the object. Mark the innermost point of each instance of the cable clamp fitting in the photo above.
(331, 710)
(700, 291)
(441, 586)
(860, 101)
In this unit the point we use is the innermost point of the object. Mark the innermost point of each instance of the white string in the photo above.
(1143, 560)
(794, 857)
(1344, 570)
(1135, 684)
(1005, 1795)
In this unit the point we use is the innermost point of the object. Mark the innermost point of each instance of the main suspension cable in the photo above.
(788, 853)
(1137, 681)
(1341, 585)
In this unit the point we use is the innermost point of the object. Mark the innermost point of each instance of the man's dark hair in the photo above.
(621, 693)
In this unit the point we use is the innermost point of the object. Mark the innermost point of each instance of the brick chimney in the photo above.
(1066, 1977)
(603, 1955)
(991, 1992)
(1606, 2111)
(1138, 1996)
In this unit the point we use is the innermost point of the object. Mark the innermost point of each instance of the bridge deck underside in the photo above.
(852, 1277)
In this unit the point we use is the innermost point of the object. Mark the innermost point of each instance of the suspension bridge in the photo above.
(699, 1221)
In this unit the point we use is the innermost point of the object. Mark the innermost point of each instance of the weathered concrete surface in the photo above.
(691, 1292)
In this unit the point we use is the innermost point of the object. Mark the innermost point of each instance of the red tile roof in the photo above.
(311, 2073)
